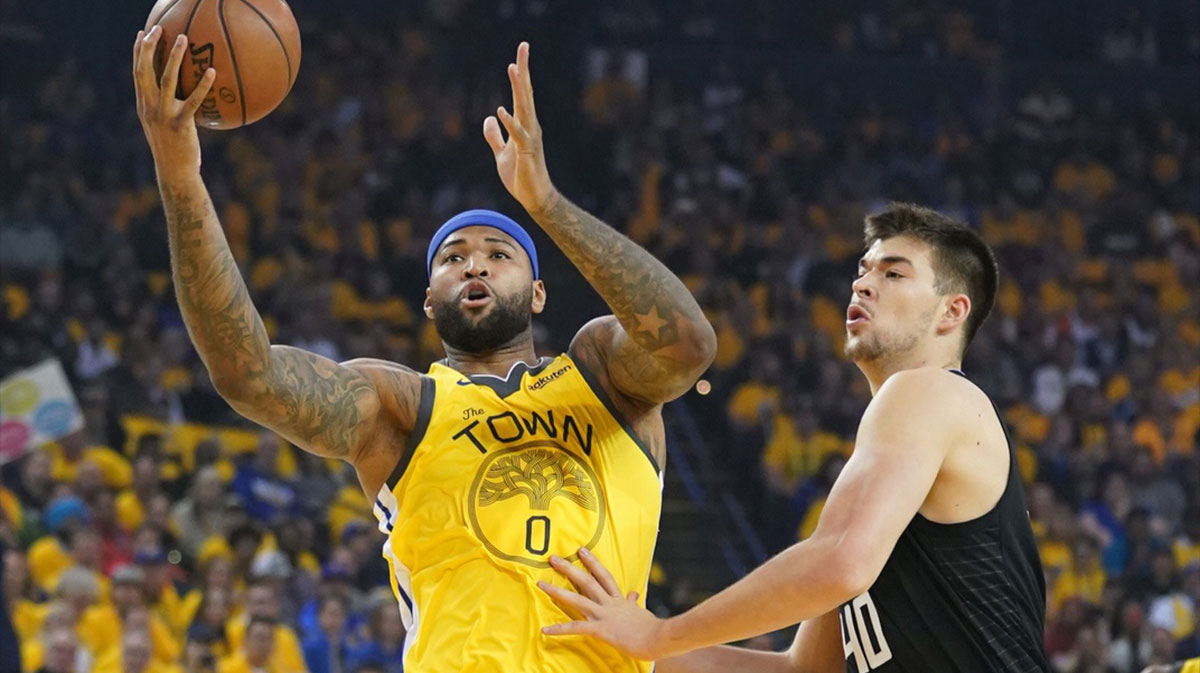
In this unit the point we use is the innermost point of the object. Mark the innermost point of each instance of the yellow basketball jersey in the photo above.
(500, 474)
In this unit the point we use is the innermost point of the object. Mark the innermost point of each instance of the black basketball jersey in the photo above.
(955, 598)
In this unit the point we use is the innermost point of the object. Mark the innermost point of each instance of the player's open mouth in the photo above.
(856, 315)
(476, 294)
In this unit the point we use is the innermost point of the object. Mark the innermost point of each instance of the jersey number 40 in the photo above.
(862, 635)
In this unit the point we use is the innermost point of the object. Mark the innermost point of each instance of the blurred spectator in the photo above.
(133, 503)
(336, 581)
(208, 628)
(200, 515)
(325, 650)
(383, 645)
(72, 452)
(63, 653)
(1130, 648)
(1188, 646)
(262, 607)
(67, 518)
(244, 541)
(198, 658)
(258, 653)
(265, 493)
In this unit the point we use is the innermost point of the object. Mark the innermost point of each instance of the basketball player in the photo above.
(923, 559)
(495, 459)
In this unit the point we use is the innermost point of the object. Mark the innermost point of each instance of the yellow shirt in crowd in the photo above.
(114, 468)
(1086, 583)
(288, 655)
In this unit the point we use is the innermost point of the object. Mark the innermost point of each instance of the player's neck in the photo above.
(879, 370)
(495, 363)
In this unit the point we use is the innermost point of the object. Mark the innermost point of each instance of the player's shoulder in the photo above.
(589, 347)
(401, 388)
(375, 365)
(927, 379)
(386, 372)
(933, 391)
(598, 328)
(926, 409)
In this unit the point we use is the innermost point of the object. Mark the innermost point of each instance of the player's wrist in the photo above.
(177, 174)
(669, 638)
(543, 201)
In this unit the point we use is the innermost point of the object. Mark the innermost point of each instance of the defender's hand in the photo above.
(618, 621)
(520, 160)
(169, 123)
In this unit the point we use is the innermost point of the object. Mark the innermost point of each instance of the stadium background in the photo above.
(741, 143)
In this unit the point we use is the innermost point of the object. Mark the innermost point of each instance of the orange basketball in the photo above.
(254, 45)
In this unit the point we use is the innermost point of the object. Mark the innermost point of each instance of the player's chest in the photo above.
(471, 425)
(526, 477)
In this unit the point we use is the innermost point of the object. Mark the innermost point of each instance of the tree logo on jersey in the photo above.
(536, 499)
(540, 475)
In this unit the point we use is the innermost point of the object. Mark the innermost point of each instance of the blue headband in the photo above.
(482, 218)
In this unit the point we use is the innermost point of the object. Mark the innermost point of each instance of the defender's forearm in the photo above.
(652, 304)
(803, 582)
(725, 658)
(216, 307)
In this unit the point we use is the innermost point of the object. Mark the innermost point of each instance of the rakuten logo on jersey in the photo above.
(548, 379)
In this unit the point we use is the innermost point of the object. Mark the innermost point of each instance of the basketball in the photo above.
(254, 45)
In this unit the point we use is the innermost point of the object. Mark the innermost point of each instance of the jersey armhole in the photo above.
(598, 390)
(996, 516)
(424, 411)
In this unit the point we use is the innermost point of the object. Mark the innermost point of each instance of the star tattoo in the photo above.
(650, 322)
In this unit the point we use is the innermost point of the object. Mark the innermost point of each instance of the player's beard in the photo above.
(509, 317)
(876, 345)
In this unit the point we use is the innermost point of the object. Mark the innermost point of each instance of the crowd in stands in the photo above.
(961, 30)
(168, 535)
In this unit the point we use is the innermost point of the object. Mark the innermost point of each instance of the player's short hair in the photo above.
(962, 261)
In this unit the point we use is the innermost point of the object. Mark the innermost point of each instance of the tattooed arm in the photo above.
(309, 399)
(658, 341)
(323, 407)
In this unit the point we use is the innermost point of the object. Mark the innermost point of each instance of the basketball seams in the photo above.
(286, 57)
(187, 29)
(232, 57)
(163, 13)
(191, 17)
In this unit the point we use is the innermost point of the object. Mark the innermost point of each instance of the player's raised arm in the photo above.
(321, 406)
(659, 341)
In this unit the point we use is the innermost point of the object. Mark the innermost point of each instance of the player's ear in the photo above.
(428, 305)
(957, 308)
(539, 296)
